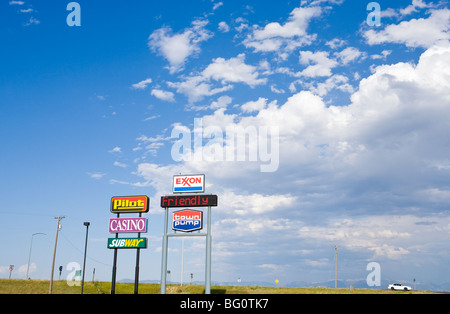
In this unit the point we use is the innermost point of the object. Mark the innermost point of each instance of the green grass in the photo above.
(14, 286)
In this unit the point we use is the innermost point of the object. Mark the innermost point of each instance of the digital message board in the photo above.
(189, 201)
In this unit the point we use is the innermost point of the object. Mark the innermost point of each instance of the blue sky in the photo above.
(86, 113)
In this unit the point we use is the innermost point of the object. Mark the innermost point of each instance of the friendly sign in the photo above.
(187, 220)
(189, 184)
(189, 201)
(127, 225)
(131, 243)
(129, 204)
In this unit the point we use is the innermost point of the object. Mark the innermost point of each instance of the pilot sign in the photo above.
(187, 220)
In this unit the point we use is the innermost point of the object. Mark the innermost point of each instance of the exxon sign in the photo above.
(189, 184)
(187, 220)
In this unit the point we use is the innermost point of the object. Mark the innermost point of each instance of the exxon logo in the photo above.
(189, 183)
(187, 220)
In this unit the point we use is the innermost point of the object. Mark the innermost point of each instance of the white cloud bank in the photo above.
(423, 32)
(371, 160)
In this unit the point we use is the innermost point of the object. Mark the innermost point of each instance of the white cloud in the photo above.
(416, 4)
(16, 2)
(223, 27)
(337, 81)
(319, 63)
(296, 26)
(163, 95)
(217, 5)
(233, 70)
(24, 268)
(253, 106)
(116, 149)
(142, 84)
(223, 71)
(291, 34)
(221, 102)
(177, 48)
(96, 175)
(350, 175)
(349, 54)
(120, 164)
(423, 32)
(197, 87)
(32, 21)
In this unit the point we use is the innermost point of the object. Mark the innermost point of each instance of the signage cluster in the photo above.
(187, 220)
(188, 190)
(128, 205)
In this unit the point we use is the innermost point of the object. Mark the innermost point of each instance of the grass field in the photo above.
(61, 287)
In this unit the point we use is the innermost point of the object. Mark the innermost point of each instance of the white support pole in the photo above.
(164, 254)
(208, 255)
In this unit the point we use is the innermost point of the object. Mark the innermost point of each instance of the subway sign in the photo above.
(187, 220)
(129, 243)
(189, 184)
(188, 201)
(127, 225)
(129, 204)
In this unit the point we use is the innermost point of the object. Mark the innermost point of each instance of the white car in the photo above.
(399, 286)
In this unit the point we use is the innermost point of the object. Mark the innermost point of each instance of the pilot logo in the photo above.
(129, 204)
(187, 220)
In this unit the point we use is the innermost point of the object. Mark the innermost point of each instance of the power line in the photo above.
(92, 259)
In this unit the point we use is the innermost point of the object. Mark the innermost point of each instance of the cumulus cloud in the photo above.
(226, 72)
(142, 84)
(423, 32)
(288, 36)
(319, 63)
(364, 158)
(177, 48)
(163, 95)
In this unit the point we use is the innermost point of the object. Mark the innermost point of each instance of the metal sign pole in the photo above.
(114, 270)
(164, 253)
(136, 276)
(208, 255)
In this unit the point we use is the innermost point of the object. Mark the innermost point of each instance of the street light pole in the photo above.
(54, 254)
(335, 270)
(29, 255)
(85, 251)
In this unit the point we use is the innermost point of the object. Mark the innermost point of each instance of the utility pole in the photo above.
(29, 255)
(335, 270)
(54, 253)
(85, 252)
